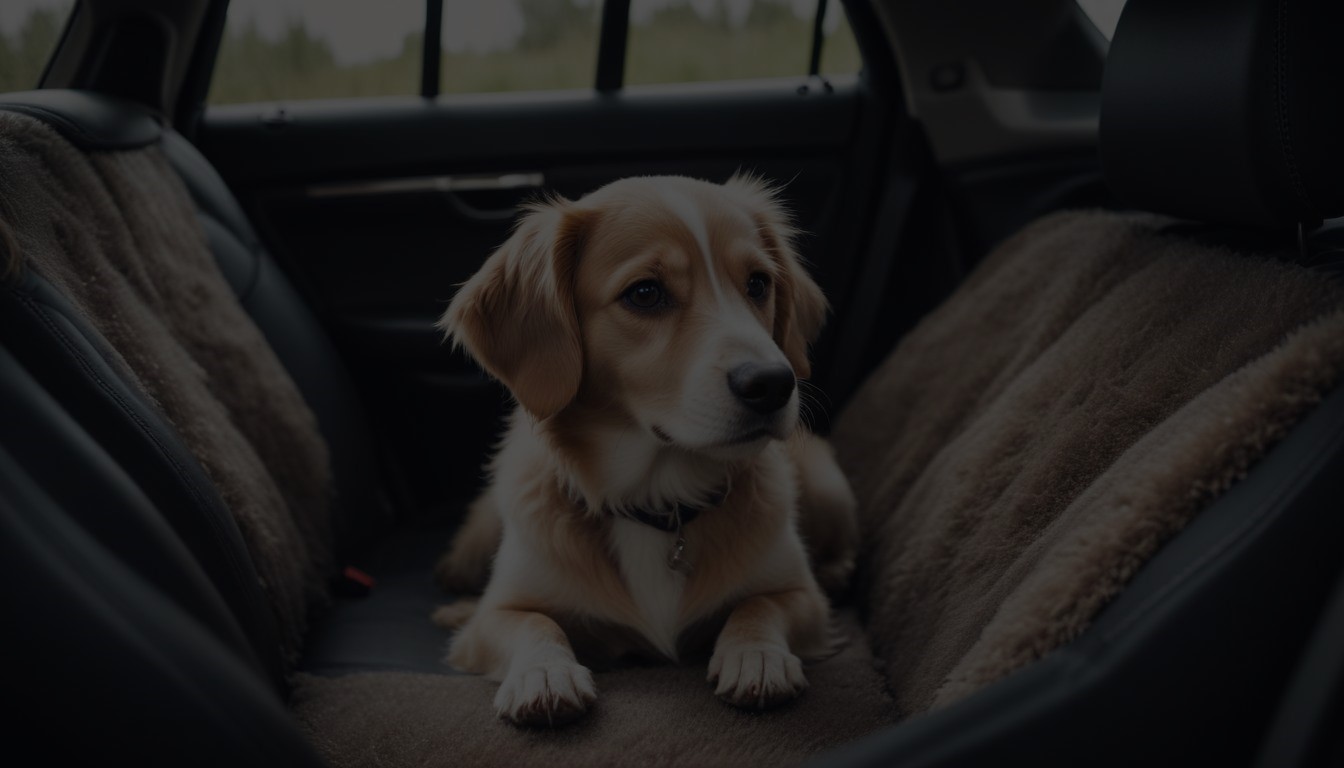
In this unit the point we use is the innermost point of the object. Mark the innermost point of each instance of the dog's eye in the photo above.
(646, 294)
(758, 285)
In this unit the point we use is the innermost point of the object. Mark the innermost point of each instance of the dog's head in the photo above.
(679, 303)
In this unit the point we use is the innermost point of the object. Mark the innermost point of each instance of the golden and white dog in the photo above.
(653, 490)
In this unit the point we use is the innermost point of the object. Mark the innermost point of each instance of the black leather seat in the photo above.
(70, 360)
(363, 508)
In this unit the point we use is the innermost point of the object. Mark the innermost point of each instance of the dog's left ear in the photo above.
(800, 306)
(516, 315)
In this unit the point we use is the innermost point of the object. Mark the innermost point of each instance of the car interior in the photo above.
(1082, 369)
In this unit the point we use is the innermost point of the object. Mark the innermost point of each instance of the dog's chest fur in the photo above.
(656, 589)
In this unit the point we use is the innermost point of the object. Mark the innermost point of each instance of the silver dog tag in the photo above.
(676, 559)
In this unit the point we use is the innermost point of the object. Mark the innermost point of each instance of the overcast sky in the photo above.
(363, 30)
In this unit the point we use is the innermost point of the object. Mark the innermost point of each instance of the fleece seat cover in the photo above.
(1096, 382)
(658, 715)
(117, 234)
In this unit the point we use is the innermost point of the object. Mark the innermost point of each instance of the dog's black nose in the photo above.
(762, 388)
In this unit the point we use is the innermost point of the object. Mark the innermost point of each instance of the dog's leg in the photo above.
(465, 569)
(541, 683)
(754, 661)
(827, 518)
(454, 615)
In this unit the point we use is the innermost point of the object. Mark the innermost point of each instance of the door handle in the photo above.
(502, 181)
(498, 182)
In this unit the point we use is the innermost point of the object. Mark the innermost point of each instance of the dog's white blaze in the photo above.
(656, 589)
(638, 471)
(694, 218)
(738, 324)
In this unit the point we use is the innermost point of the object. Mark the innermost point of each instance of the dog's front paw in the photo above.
(756, 676)
(545, 694)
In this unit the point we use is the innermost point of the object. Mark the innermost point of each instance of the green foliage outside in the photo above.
(557, 50)
(24, 52)
(680, 47)
(252, 67)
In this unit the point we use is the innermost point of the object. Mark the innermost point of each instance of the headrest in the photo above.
(1228, 111)
(90, 121)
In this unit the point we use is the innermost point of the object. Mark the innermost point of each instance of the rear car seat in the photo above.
(155, 570)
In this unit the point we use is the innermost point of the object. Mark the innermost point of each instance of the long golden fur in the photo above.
(639, 329)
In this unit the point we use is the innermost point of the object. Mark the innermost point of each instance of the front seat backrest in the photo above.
(1227, 111)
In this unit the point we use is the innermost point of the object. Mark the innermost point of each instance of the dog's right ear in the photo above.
(516, 315)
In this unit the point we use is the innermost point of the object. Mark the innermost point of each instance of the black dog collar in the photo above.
(681, 516)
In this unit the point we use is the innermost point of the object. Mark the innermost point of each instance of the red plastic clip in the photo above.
(355, 583)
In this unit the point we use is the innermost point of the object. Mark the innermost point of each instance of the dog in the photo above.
(648, 494)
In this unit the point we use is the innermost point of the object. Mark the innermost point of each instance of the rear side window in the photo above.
(518, 45)
(313, 49)
(318, 49)
(686, 41)
(29, 32)
(275, 50)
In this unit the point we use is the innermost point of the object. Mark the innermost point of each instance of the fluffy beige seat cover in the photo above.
(1094, 384)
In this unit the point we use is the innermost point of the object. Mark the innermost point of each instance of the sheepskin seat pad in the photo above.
(1096, 382)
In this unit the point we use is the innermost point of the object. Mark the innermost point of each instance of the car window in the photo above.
(681, 41)
(310, 49)
(518, 45)
(313, 49)
(29, 31)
